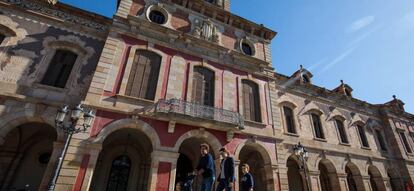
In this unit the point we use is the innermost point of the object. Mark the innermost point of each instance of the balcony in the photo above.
(196, 114)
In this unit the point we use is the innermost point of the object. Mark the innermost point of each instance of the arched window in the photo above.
(203, 86)
(317, 126)
(289, 120)
(143, 77)
(405, 142)
(350, 180)
(251, 101)
(305, 79)
(119, 174)
(381, 140)
(341, 130)
(362, 136)
(59, 69)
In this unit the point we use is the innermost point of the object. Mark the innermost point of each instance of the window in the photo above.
(59, 68)
(317, 125)
(381, 140)
(289, 120)
(247, 49)
(143, 78)
(341, 131)
(251, 102)
(348, 92)
(305, 79)
(157, 17)
(203, 86)
(405, 142)
(362, 136)
(2, 37)
(211, 1)
(119, 174)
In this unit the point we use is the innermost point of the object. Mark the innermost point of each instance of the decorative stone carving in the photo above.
(206, 30)
(59, 14)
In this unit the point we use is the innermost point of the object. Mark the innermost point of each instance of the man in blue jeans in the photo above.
(226, 177)
(206, 168)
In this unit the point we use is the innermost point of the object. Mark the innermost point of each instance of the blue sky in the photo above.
(367, 43)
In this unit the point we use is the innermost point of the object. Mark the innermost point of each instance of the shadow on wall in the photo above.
(25, 64)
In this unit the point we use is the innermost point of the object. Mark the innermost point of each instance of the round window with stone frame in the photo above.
(247, 47)
(157, 14)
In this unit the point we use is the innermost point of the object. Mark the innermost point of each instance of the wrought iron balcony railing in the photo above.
(195, 110)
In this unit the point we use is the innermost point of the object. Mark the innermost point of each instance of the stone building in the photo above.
(162, 77)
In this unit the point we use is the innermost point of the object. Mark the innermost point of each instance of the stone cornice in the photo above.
(333, 101)
(227, 18)
(63, 13)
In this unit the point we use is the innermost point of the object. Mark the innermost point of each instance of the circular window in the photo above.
(247, 49)
(157, 17)
(44, 158)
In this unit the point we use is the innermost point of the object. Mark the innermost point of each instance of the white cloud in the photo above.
(337, 59)
(360, 24)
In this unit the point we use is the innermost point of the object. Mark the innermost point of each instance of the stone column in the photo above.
(283, 178)
(163, 170)
(314, 182)
(343, 183)
(236, 174)
(366, 182)
(93, 151)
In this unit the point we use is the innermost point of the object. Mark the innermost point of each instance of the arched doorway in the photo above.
(296, 178)
(354, 178)
(375, 178)
(260, 165)
(395, 181)
(189, 158)
(328, 177)
(124, 162)
(25, 156)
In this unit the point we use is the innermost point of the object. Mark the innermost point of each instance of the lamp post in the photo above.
(302, 154)
(70, 127)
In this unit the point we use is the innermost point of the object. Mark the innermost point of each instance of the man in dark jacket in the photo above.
(206, 168)
(246, 182)
(226, 177)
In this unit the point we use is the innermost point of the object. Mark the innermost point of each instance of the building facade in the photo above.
(164, 76)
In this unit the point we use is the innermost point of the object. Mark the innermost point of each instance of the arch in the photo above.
(376, 180)
(288, 103)
(396, 183)
(261, 148)
(26, 155)
(258, 158)
(328, 176)
(354, 178)
(296, 174)
(131, 124)
(11, 121)
(200, 133)
(133, 143)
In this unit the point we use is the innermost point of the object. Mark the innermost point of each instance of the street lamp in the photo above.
(302, 154)
(70, 127)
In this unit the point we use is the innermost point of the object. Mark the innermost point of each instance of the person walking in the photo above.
(226, 177)
(206, 168)
(247, 182)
